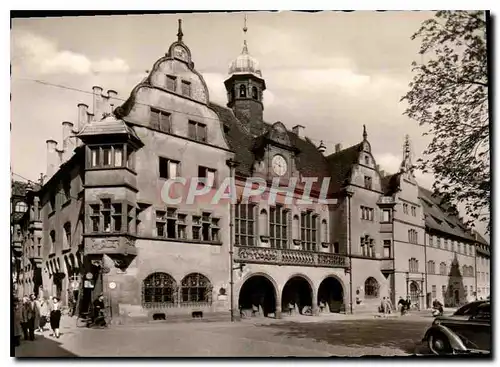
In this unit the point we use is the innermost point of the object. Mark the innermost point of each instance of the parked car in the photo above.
(468, 330)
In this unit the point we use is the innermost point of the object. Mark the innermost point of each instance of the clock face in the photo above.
(279, 165)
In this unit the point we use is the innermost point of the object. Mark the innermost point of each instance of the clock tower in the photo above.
(245, 87)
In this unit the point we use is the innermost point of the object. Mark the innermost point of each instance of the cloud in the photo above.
(42, 55)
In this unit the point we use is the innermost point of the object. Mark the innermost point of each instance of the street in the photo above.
(249, 338)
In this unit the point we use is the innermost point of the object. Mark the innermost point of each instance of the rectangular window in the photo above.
(368, 182)
(95, 216)
(186, 88)
(439, 242)
(117, 217)
(278, 221)
(95, 157)
(197, 131)
(160, 223)
(367, 213)
(171, 83)
(434, 292)
(207, 175)
(168, 168)
(386, 215)
(106, 214)
(106, 156)
(196, 228)
(244, 224)
(308, 226)
(118, 151)
(387, 249)
(160, 120)
(431, 240)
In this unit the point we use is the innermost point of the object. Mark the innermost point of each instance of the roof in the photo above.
(340, 165)
(438, 219)
(390, 184)
(107, 126)
(308, 159)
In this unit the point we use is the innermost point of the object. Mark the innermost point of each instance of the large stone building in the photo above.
(107, 226)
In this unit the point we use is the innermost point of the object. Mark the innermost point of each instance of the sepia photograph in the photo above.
(250, 184)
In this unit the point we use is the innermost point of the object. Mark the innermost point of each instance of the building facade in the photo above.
(112, 222)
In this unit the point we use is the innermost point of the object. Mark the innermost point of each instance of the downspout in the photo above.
(393, 254)
(349, 194)
(475, 269)
(232, 165)
(425, 268)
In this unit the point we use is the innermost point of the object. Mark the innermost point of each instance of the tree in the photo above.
(449, 94)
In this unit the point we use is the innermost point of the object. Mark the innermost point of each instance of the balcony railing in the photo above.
(262, 255)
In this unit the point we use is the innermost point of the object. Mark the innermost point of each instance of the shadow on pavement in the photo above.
(42, 346)
(405, 336)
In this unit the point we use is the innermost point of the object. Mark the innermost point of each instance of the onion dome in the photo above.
(245, 63)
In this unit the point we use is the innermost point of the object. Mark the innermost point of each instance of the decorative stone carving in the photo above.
(290, 257)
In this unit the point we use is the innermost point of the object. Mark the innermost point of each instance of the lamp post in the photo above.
(232, 166)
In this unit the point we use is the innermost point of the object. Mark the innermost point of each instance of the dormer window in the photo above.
(171, 83)
(186, 88)
(243, 91)
(367, 160)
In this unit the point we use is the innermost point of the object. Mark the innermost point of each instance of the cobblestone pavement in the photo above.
(249, 338)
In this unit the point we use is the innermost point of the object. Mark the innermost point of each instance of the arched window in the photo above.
(159, 290)
(371, 288)
(196, 288)
(67, 233)
(243, 91)
(52, 241)
(263, 223)
(296, 227)
(255, 93)
(324, 231)
(431, 267)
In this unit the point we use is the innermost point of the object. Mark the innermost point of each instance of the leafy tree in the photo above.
(449, 95)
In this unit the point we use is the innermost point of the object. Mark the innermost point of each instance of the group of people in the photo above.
(32, 314)
(404, 305)
(386, 306)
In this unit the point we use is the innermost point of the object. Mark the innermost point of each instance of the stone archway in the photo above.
(331, 294)
(298, 293)
(257, 297)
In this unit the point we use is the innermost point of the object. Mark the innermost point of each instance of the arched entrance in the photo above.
(258, 294)
(331, 294)
(414, 293)
(297, 292)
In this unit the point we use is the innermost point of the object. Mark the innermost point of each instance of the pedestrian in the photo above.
(18, 316)
(385, 306)
(408, 304)
(55, 316)
(402, 305)
(42, 312)
(29, 314)
(291, 306)
(390, 307)
(322, 306)
(99, 311)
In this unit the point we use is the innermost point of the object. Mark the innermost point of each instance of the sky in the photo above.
(331, 72)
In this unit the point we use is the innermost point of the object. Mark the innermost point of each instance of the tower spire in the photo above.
(406, 164)
(179, 32)
(365, 135)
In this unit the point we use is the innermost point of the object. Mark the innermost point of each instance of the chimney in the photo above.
(51, 158)
(112, 100)
(321, 147)
(298, 130)
(83, 116)
(98, 103)
(68, 140)
(338, 147)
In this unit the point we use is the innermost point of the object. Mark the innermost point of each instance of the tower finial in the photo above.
(179, 32)
(245, 29)
(365, 135)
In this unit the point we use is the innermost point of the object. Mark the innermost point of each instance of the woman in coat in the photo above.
(55, 316)
(43, 312)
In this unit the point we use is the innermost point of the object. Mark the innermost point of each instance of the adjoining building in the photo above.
(107, 228)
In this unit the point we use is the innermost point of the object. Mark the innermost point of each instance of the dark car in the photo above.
(468, 330)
